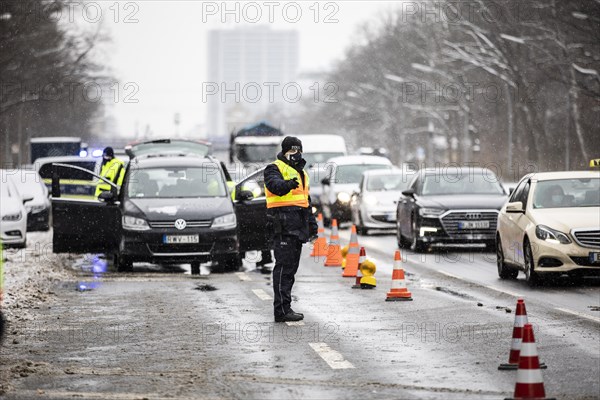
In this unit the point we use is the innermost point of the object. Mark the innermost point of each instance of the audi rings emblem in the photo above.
(180, 224)
(473, 216)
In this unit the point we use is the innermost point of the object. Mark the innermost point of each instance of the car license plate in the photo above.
(473, 224)
(594, 257)
(181, 239)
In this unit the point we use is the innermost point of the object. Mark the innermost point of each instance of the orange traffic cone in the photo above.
(353, 256)
(530, 385)
(398, 292)
(320, 245)
(361, 259)
(515, 347)
(334, 253)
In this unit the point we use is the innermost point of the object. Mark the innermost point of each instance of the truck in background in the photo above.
(54, 147)
(254, 145)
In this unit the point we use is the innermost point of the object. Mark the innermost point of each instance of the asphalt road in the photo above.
(160, 333)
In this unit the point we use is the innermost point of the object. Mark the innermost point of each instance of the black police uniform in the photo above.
(291, 227)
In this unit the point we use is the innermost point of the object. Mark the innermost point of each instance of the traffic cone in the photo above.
(398, 292)
(334, 253)
(530, 385)
(353, 256)
(515, 347)
(361, 259)
(320, 245)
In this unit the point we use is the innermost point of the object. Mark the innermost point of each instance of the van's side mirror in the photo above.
(325, 181)
(515, 207)
(408, 192)
(106, 196)
(244, 195)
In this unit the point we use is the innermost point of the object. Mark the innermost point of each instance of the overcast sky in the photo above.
(160, 60)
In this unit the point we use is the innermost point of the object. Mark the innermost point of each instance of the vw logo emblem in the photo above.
(180, 224)
(473, 216)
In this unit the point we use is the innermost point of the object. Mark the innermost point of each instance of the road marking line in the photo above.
(261, 294)
(243, 276)
(295, 323)
(334, 359)
(450, 275)
(504, 291)
(582, 315)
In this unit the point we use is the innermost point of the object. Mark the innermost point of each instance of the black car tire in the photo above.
(416, 245)
(195, 268)
(504, 271)
(360, 228)
(228, 263)
(402, 242)
(532, 277)
(2, 326)
(123, 263)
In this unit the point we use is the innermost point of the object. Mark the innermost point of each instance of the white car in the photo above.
(13, 215)
(374, 203)
(551, 226)
(31, 185)
(343, 174)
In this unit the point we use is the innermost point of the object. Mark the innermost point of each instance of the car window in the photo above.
(391, 182)
(524, 194)
(255, 183)
(177, 182)
(318, 158)
(561, 193)
(171, 146)
(70, 173)
(345, 174)
(435, 184)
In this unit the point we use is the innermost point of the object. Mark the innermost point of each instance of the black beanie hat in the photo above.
(289, 142)
(109, 152)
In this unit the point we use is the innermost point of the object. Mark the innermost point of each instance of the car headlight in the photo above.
(13, 217)
(551, 235)
(370, 200)
(343, 197)
(431, 212)
(37, 209)
(135, 224)
(225, 221)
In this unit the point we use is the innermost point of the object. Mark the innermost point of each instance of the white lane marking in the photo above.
(582, 315)
(243, 276)
(261, 294)
(295, 323)
(334, 359)
(450, 275)
(504, 291)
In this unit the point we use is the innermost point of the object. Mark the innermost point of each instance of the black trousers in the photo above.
(287, 257)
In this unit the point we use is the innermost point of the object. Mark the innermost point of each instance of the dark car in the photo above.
(170, 209)
(449, 205)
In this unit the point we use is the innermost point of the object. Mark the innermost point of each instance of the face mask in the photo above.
(556, 198)
(295, 158)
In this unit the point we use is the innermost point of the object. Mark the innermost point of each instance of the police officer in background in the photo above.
(113, 169)
(291, 220)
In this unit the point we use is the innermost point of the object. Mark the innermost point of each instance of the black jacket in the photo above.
(291, 221)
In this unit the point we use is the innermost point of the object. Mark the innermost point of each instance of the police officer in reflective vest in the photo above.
(113, 169)
(291, 220)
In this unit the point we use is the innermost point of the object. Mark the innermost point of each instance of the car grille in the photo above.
(188, 224)
(450, 222)
(588, 238)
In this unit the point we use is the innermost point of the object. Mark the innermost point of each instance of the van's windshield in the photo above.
(176, 182)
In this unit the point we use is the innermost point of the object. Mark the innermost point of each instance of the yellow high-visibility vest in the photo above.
(296, 197)
(110, 171)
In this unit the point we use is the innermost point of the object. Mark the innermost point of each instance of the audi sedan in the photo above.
(448, 206)
(551, 226)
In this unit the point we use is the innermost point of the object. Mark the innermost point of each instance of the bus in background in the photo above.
(54, 147)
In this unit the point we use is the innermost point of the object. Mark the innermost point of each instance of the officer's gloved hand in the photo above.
(293, 183)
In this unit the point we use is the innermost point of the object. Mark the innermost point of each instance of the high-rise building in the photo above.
(249, 69)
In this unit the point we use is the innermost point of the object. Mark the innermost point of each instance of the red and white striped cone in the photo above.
(530, 384)
(398, 292)
(353, 256)
(361, 258)
(515, 347)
